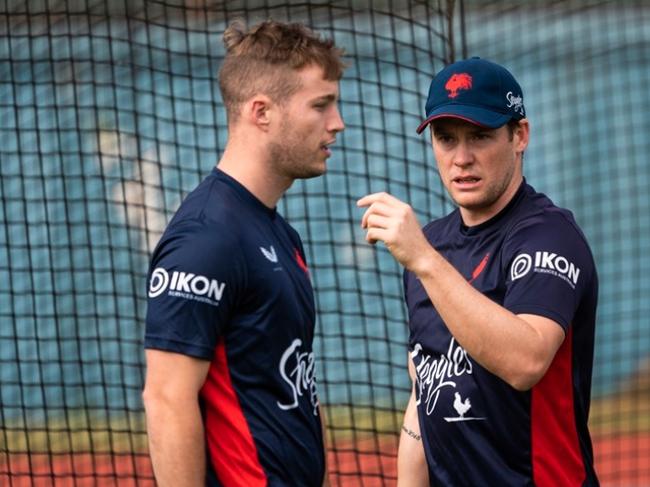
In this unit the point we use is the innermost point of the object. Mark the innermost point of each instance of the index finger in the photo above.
(369, 199)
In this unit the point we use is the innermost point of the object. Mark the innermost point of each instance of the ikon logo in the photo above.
(186, 285)
(547, 263)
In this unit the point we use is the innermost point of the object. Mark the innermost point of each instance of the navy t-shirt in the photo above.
(477, 430)
(228, 283)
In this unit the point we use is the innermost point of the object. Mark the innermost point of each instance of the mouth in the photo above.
(466, 181)
(325, 147)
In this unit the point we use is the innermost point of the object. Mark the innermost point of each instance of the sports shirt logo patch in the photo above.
(435, 374)
(479, 268)
(546, 263)
(298, 370)
(516, 102)
(270, 254)
(457, 82)
(186, 285)
(301, 261)
(158, 283)
(520, 266)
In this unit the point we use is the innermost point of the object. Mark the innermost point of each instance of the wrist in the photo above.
(425, 263)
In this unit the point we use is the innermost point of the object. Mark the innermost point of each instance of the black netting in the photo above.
(110, 113)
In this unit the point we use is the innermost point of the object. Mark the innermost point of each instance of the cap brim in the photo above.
(471, 114)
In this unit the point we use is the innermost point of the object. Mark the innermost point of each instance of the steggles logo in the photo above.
(298, 371)
(435, 374)
(516, 102)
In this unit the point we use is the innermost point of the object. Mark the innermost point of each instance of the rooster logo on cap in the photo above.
(457, 82)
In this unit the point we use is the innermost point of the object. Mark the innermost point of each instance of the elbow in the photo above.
(159, 411)
(146, 397)
(153, 400)
(527, 376)
(149, 399)
(165, 401)
(522, 383)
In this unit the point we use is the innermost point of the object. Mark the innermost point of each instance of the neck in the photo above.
(251, 168)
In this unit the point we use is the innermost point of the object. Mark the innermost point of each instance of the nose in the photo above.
(462, 154)
(336, 121)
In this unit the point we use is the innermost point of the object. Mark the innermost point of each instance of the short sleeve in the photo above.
(549, 268)
(195, 277)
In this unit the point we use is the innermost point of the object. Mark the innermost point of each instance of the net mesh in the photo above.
(111, 114)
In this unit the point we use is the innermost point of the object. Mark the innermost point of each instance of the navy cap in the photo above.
(475, 90)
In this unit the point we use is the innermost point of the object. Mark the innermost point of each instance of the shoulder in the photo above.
(547, 236)
(211, 202)
(196, 242)
(196, 235)
(539, 219)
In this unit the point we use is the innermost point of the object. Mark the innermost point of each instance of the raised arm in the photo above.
(517, 348)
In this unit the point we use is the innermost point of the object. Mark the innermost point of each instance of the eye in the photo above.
(482, 136)
(321, 106)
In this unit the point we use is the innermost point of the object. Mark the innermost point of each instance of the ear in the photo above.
(257, 111)
(522, 135)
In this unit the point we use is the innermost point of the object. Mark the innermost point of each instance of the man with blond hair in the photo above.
(230, 394)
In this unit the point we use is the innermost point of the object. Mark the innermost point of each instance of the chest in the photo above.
(277, 296)
(480, 262)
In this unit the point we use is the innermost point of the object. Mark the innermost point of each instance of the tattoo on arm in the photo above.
(411, 433)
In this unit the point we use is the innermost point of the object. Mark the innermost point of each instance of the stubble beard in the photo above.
(491, 196)
(292, 159)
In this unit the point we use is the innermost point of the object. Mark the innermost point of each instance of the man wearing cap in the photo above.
(501, 295)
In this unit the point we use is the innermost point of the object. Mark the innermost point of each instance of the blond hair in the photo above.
(265, 59)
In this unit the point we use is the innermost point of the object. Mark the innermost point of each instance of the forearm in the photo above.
(176, 443)
(411, 462)
(505, 344)
(517, 350)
